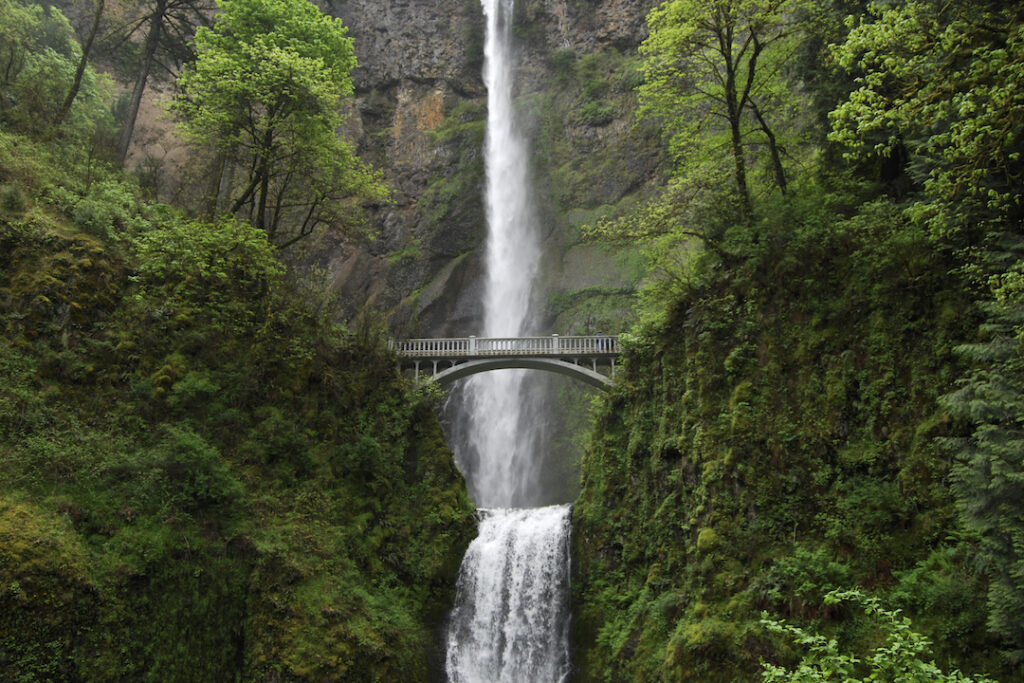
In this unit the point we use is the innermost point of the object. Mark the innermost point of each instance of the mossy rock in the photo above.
(48, 601)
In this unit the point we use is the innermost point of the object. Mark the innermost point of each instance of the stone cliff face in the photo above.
(419, 118)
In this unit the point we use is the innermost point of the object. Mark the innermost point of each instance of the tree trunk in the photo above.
(733, 112)
(156, 23)
(735, 119)
(76, 84)
(264, 176)
(211, 198)
(773, 148)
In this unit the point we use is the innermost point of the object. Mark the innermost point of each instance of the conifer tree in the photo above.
(988, 477)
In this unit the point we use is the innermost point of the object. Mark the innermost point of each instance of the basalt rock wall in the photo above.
(419, 117)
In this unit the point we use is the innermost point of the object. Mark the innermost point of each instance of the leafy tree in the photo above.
(938, 88)
(716, 76)
(43, 71)
(83, 62)
(900, 659)
(34, 42)
(266, 88)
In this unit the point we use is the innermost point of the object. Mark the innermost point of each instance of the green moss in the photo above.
(410, 252)
(707, 540)
(48, 600)
(772, 436)
(192, 444)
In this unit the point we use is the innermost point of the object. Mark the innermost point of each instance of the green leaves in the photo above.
(989, 475)
(38, 58)
(940, 80)
(266, 90)
(716, 77)
(898, 659)
(939, 92)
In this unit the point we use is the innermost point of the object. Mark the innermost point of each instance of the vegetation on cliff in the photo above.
(824, 390)
(202, 475)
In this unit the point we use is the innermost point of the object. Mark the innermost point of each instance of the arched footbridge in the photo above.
(587, 358)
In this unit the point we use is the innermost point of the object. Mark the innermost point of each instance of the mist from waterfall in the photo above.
(510, 620)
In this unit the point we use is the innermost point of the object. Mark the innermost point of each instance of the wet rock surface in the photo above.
(418, 117)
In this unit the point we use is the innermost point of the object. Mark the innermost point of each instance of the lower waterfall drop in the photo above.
(511, 619)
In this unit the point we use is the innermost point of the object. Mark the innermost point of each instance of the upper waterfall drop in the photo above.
(498, 458)
(513, 248)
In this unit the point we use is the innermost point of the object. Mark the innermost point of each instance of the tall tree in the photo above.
(266, 89)
(716, 77)
(169, 28)
(83, 62)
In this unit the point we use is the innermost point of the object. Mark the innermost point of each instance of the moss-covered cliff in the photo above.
(772, 436)
(201, 476)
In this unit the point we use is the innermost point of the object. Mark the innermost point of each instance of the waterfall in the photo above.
(499, 443)
(510, 620)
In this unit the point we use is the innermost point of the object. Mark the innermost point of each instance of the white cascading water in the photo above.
(510, 623)
(510, 620)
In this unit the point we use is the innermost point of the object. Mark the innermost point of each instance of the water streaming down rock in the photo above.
(510, 621)
(499, 444)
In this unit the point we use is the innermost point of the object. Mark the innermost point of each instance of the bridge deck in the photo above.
(555, 346)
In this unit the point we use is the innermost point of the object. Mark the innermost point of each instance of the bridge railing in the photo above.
(555, 345)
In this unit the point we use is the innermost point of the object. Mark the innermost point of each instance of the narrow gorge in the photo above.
(221, 458)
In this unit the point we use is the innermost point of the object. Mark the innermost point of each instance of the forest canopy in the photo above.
(811, 465)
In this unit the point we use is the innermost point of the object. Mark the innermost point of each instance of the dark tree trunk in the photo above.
(76, 84)
(156, 23)
(734, 114)
(264, 177)
(773, 149)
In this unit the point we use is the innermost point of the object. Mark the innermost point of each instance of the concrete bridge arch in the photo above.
(449, 359)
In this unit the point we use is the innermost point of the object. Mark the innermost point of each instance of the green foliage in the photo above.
(597, 113)
(47, 595)
(12, 200)
(772, 435)
(38, 58)
(715, 79)
(937, 97)
(185, 439)
(937, 91)
(778, 428)
(266, 90)
(207, 274)
(562, 63)
(989, 477)
(898, 658)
